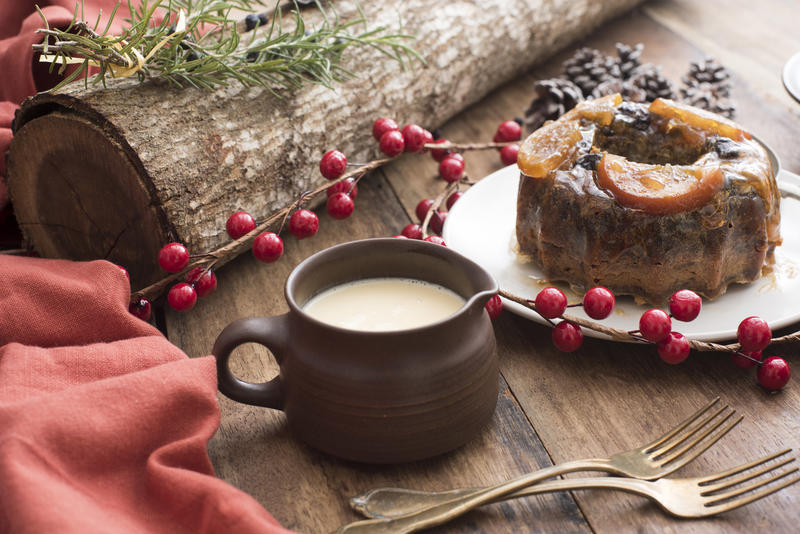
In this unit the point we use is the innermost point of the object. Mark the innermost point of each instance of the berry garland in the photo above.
(655, 325)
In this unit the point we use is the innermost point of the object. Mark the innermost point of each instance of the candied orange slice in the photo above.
(547, 148)
(698, 118)
(600, 110)
(658, 189)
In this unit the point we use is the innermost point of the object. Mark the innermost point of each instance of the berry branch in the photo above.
(229, 251)
(655, 328)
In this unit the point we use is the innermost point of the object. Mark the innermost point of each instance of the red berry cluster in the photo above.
(199, 282)
(509, 131)
(267, 246)
(655, 326)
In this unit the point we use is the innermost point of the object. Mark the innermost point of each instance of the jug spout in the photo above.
(484, 285)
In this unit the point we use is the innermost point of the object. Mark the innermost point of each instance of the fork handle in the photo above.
(395, 502)
(441, 513)
(444, 512)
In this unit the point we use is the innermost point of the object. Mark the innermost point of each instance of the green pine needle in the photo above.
(273, 57)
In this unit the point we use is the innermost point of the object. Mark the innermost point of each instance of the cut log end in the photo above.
(78, 195)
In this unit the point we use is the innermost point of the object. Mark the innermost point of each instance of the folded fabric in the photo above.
(103, 422)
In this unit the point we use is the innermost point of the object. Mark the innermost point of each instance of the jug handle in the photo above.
(271, 332)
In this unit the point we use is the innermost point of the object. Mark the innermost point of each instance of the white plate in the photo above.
(481, 227)
(791, 76)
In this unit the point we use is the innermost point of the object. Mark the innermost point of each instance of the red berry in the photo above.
(494, 306)
(436, 240)
(437, 221)
(381, 126)
(451, 169)
(598, 302)
(239, 224)
(754, 334)
(508, 154)
(140, 309)
(746, 363)
(428, 138)
(412, 231)
(439, 153)
(414, 137)
(509, 131)
(452, 199)
(455, 155)
(333, 164)
(303, 223)
(205, 284)
(655, 325)
(674, 349)
(774, 373)
(124, 271)
(182, 297)
(551, 302)
(392, 143)
(567, 336)
(685, 305)
(422, 208)
(173, 257)
(340, 206)
(267, 247)
(348, 185)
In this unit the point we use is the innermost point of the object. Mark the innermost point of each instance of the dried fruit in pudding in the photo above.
(649, 200)
(547, 148)
(700, 119)
(658, 189)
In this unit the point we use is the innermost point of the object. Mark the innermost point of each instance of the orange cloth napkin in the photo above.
(103, 422)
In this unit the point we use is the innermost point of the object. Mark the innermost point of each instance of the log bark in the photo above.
(116, 173)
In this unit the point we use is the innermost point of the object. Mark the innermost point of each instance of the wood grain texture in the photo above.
(203, 155)
(604, 398)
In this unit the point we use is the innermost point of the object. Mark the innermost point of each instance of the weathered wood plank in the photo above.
(753, 38)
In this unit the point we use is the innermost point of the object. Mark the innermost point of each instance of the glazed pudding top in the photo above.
(663, 159)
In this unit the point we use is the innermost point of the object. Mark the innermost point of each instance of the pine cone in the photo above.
(588, 68)
(553, 98)
(648, 77)
(628, 59)
(709, 72)
(628, 91)
(707, 96)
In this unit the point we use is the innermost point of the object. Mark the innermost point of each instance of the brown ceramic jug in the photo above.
(376, 397)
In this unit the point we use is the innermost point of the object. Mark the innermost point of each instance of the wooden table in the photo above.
(553, 407)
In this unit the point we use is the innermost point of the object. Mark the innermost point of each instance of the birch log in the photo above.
(116, 173)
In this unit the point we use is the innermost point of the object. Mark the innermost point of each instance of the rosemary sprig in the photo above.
(198, 43)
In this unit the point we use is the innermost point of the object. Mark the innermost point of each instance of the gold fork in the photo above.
(659, 458)
(688, 497)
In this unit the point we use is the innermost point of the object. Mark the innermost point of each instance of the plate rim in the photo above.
(716, 335)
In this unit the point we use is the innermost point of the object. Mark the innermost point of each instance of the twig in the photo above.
(229, 251)
(436, 203)
(623, 335)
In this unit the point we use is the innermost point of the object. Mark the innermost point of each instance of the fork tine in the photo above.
(703, 435)
(736, 470)
(688, 433)
(691, 419)
(736, 503)
(728, 483)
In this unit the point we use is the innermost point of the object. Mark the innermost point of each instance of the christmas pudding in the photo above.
(646, 199)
